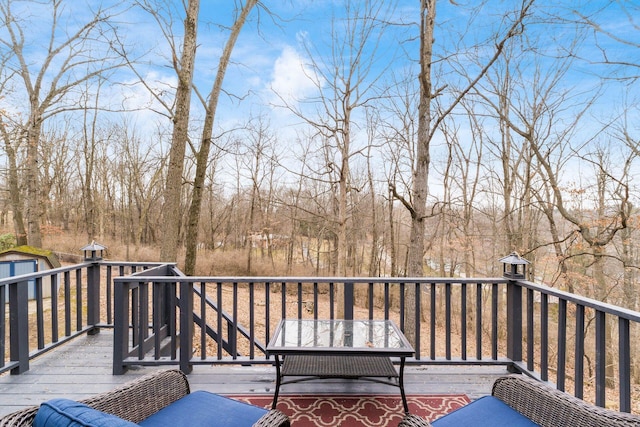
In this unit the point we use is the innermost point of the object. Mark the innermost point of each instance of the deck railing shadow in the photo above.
(162, 317)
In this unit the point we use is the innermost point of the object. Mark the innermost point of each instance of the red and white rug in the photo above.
(356, 411)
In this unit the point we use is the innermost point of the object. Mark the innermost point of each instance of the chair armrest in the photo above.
(273, 418)
(549, 407)
(133, 401)
(140, 398)
(22, 418)
(411, 420)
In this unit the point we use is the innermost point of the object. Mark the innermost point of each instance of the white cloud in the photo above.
(137, 96)
(292, 78)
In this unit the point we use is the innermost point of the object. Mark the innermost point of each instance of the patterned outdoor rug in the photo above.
(356, 411)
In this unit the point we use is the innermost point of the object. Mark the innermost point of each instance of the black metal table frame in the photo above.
(362, 363)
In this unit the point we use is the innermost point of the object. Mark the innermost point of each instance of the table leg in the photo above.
(278, 377)
(401, 383)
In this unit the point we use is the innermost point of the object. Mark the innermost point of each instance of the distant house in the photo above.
(27, 259)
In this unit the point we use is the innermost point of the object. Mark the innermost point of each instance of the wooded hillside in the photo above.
(516, 131)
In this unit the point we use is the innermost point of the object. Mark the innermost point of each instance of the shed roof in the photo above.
(34, 252)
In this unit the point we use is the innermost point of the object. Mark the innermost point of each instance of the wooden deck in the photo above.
(83, 367)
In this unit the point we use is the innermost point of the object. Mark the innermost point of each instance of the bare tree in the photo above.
(74, 54)
(375, 231)
(258, 162)
(399, 135)
(11, 143)
(533, 108)
(172, 208)
(429, 123)
(143, 175)
(202, 156)
(89, 147)
(11, 140)
(623, 68)
(461, 182)
(345, 82)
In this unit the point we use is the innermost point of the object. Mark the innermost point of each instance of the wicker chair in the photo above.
(139, 399)
(546, 406)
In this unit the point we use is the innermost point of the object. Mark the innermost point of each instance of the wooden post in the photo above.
(514, 321)
(186, 326)
(120, 326)
(348, 300)
(93, 297)
(19, 325)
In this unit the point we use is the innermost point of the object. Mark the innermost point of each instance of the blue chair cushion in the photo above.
(202, 408)
(487, 411)
(69, 413)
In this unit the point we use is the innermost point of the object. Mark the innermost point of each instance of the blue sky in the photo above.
(270, 55)
(274, 58)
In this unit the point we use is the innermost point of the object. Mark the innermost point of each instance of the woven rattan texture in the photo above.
(133, 401)
(550, 407)
(273, 418)
(338, 366)
(140, 398)
(411, 420)
(546, 406)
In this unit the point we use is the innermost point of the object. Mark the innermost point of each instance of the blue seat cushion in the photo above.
(202, 408)
(487, 411)
(69, 413)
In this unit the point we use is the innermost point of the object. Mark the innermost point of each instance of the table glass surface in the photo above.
(372, 335)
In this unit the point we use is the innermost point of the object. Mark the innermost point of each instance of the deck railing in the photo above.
(80, 302)
(161, 317)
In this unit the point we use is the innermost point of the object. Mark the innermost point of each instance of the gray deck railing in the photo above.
(161, 317)
(562, 331)
(81, 301)
(529, 328)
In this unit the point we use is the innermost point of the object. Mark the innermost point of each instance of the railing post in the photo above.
(601, 358)
(624, 361)
(120, 325)
(186, 326)
(93, 252)
(514, 321)
(348, 300)
(19, 325)
(514, 269)
(93, 297)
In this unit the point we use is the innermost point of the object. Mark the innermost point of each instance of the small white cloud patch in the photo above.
(292, 79)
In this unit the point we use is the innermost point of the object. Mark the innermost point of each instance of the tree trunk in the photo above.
(193, 221)
(419, 185)
(14, 189)
(89, 141)
(33, 203)
(172, 209)
(374, 259)
(427, 125)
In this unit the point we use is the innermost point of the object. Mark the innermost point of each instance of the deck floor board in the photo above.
(83, 367)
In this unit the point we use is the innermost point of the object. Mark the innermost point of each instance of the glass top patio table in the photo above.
(312, 336)
(355, 349)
